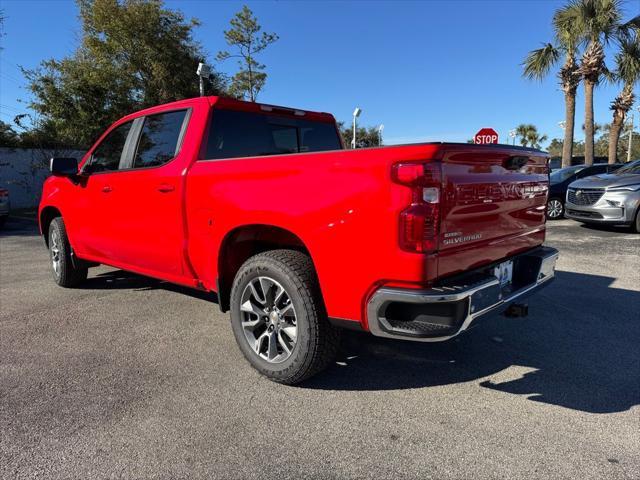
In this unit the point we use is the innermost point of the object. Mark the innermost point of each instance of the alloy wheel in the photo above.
(54, 248)
(268, 319)
(554, 208)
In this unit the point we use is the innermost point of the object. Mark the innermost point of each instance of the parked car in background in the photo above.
(5, 205)
(297, 236)
(555, 163)
(560, 180)
(612, 199)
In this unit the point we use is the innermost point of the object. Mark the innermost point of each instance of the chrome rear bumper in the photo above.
(445, 311)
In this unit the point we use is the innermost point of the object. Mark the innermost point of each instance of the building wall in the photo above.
(24, 170)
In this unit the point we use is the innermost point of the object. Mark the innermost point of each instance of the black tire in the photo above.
(3, 220)
(317, 340)
(635, 226)
(66, 274)
(555, 213)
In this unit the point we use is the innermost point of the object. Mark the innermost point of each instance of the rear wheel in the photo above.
(64, 272)
(278, 317)
(555, 209)
(635, 226)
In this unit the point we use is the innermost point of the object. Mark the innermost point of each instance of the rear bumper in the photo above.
(445, 311)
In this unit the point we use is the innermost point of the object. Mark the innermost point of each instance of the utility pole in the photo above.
(356, 114)
(630, 139)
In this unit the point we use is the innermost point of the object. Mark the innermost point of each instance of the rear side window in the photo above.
(159, 139)
(106, 156)
(593, 170)
(235, 134)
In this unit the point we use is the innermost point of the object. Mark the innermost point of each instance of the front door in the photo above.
(93, 216)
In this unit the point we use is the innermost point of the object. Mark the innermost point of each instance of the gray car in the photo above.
(612, 198)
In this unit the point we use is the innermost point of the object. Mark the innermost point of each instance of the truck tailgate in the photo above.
(493, 205)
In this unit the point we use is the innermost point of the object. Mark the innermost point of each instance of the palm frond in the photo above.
(629, 30)
(539, 61)
(567, 27)
(597, 19)
(628, 60)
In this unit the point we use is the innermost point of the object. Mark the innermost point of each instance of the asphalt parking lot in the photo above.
(130, 377)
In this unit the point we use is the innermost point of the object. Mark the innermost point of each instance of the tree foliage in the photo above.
(627, 73)
(539, 63)
(529, 136)
(601, 145)
(8, 136)
(365, 136)
(132, 54)
(246, 38)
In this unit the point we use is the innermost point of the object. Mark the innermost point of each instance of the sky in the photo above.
(427, 70)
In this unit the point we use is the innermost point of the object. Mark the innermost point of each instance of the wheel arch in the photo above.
(245, 241)
(46, 216)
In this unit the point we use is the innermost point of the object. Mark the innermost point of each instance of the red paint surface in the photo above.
(341, 204)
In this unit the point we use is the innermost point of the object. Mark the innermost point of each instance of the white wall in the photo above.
(23, 171)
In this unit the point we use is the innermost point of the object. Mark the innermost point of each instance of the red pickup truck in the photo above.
(298, 237)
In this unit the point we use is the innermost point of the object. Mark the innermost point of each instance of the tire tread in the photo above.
(299, 268)
(70, 276)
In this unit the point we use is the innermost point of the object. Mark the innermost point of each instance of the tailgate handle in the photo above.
(515, 162)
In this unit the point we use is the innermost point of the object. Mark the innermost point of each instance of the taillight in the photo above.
(420, 221)
(4, 193)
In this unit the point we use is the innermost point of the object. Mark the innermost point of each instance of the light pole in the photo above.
(356, 114)
(512, 134)
(380, 128)
(203, 71)
(630, 137)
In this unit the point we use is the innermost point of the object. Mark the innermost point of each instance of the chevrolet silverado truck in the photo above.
(297, 237)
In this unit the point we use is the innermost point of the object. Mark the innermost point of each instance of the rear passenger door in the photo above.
(146, 193)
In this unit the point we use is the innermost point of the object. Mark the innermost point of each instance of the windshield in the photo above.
(633, 167)
(564, 173)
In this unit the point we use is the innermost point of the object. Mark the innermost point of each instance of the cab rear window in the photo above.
(234, 134)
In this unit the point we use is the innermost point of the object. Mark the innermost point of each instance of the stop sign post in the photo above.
(485, 136)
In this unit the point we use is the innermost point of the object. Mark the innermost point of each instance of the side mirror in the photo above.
(63, 166)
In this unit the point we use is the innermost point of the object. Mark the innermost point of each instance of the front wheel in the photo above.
(555, 209)
(65, 273)
(278, 317)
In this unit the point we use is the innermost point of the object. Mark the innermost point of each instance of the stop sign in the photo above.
(486, 135)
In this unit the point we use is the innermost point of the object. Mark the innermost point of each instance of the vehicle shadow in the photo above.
(578, 349)
(607, 228)
(123, 280)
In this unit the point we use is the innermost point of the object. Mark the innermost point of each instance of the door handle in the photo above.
(106, 189)
(165, 188)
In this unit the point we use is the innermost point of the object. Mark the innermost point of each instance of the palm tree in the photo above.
(529, 136)
(597, 128)
(540, 61)
(627, 72)
(597, 20)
